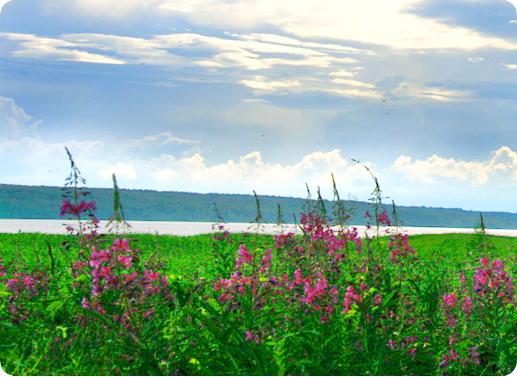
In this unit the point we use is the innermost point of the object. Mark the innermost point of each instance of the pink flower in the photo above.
(130, 277)
(121, 244)
(467, 305)
(126, 261)
(246, 257)
(450, 299)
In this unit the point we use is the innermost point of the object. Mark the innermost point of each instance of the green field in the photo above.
(190, 255)
(397, 324)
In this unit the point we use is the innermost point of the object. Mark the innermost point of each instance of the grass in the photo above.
(322, 303)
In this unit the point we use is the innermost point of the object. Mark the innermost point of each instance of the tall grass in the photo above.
(326, 302)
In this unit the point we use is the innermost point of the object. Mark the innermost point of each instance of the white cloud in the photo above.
(120, 170)
(101, 8)
(268, 87)
(500, 169)
(509, 66)
(34, 162)
(353, 83)
(256, 100)
(230, 59)
(35, 47)
(218, 52)
(354, 93)
(158, 140)
(388, 23)
(251, 170)
(13, 119)
(282, 40)
(343, 73)
(475, 60)
(409, 89)
(348, 20)
(164, 175)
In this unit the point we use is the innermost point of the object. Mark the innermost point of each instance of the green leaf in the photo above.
(350, 313)
(3, 291)
(55, 306)
(82, 278)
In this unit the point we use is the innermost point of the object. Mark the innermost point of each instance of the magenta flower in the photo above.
(246, 256)
(450, 299)
(126, 261)
(130, 277)
(484, 261)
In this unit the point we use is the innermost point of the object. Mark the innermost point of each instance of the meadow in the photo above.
(108, 302)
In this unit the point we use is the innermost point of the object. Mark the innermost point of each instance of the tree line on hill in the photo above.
(42, 202)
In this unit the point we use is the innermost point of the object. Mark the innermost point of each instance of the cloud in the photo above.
(358, 21)
(500, 169)
(509, 66)
(190, 50)
(100, 8)
(252, 170)
(164, 175)
(343, 73)
(354, 93)
(268, 87)
(256, 100)
(353, 83)
(348, 21)
(158, 140)
(35, 162)
(35, 47)
(409, 89)
(283, 40)
(475, 60)
(304, 122)
(13, 119)
(120, 170)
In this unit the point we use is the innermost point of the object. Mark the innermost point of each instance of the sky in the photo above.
(231, 96)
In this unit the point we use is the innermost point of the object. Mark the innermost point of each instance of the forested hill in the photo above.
(41, 202)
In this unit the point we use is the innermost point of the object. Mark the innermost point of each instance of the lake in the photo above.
(183, 228)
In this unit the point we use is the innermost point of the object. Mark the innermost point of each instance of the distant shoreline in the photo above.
(185, 228)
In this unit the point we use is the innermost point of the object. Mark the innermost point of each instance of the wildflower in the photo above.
(126, 261)
(484, 261)
(130, 277)
(450, 299)
(246, 257)
(467, 304)
(383, 218)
